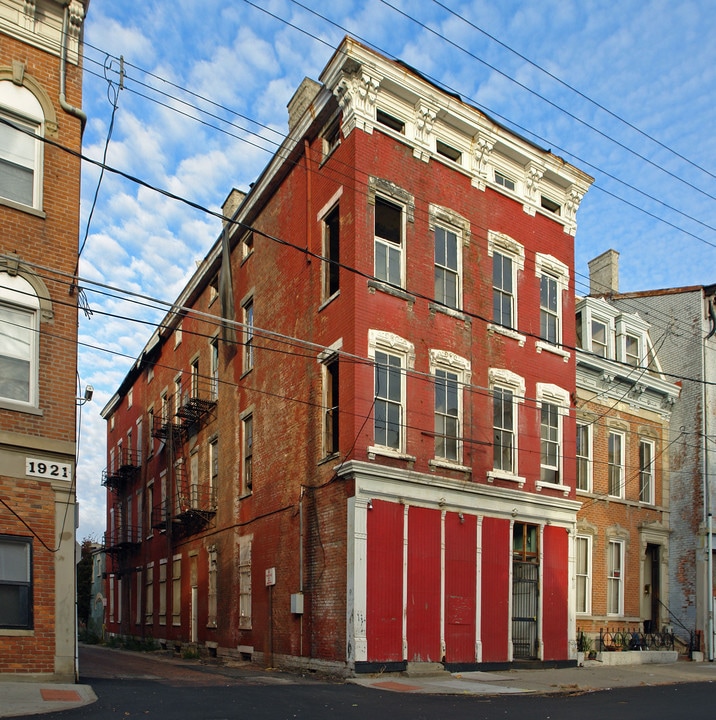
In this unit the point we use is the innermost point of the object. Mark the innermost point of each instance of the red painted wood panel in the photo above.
(460, 587)
(384, 611)
(495, 587)
(423, 608)
(555, 590)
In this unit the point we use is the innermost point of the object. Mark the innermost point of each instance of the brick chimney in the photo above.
(604, 274)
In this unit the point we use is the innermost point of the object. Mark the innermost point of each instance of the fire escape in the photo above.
(122, 539)
(190, 505)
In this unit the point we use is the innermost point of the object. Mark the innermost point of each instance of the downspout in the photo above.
(300, 565)
(707, 495)
(70, 109)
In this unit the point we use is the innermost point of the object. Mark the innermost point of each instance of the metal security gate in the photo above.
(525, 592)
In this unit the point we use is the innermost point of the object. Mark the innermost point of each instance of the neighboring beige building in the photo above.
(623, 409)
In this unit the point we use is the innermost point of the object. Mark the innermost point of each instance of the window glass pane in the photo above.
(388, 221)
(16, 339)
(14, 562)
(17, 162)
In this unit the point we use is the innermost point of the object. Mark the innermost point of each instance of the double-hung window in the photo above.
(16, 583)
(19, 326)
(548, 311)
(388, 400)
(615, 577)
(550, 454)
(451, 373)
(503, 423)
(615, 464)
(646, 471)
(584, 457)
(447, 267)
(632, 353)
(331, 405)
(553, 403)
(248, 453)
(600, 338)
(248, 311)
(392, 357)
(503, 291)
(508, 256)
(583, 552)
(451, 232)
(389, 232)
(554, 282)
(331, 252)
(21, 149)
(507, 390)
(447, 416)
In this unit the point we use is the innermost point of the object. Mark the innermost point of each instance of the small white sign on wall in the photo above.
(36, 467)
(270, 576)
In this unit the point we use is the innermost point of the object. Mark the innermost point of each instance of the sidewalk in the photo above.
(30, 698)
(27, 698)
(593, 676)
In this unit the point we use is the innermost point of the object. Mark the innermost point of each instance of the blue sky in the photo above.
(625, 92)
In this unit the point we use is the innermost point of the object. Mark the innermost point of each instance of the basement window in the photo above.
(550, 205)
(389, 121)
(447, 151)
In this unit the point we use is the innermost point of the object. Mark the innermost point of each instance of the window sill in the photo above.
(448, 465)
(19, 407)
(246, 257)
(23, 208)
(452, 312)
(329, 458)
(507, 332)
(374, 450)
(329, 300)
(542, 485)
(390, 290)
(10, 632)
(541, 345)
(493, 475)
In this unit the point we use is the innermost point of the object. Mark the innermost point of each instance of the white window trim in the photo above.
(20, 105)
(460, 366)
(621, 544)
(651, 500)
(453, 222)
(393, 345)
(506, 379)
(622, 464)
(589, 456)
(18, 295)
(558, 271)
(555, 395)
(505, 245)
(390, 192)
(321, 216)
(588, 575)
(624, 326)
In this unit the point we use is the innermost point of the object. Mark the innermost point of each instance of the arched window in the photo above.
(21, 126)
(19, 326)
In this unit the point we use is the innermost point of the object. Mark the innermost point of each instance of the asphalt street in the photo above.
(134, 685)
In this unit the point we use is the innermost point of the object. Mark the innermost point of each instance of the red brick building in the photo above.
(40, 97)
(350, 443)
(623, 413)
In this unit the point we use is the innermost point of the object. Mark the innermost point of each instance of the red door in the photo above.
(423, 606)
(460, 587)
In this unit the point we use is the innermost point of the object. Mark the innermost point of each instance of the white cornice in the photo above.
(363, 80)
(39, 23)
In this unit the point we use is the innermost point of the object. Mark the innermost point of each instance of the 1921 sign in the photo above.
(36, 467)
